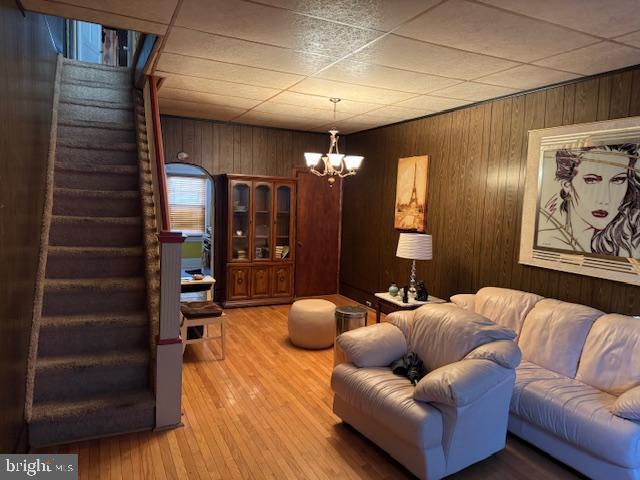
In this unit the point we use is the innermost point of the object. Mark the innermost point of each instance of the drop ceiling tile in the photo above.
(604, 18)
(152, 10)
(385, 77)
(527, 76)
(232, 50)
(315, 115)
(483, 29)
(379, 14)
(220, 87)
(322, 102)
(267, 119)
(102, 16)
(474, 91)
(598, 58)
(408, 54)
(630, 39)
(197, 67)
(170, 106)
(355, 124)
(390, 114)
(429, 102)
(212, 98)
(329, 88)
(274, 26)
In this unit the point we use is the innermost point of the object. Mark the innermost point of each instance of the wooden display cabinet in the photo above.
(255, 240)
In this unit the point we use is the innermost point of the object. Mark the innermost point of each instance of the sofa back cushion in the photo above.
(505, 307)
(554, 333)
(611, 355)
(443, 334)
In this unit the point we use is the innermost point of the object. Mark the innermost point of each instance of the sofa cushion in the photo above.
(505, 307)
(443, 334)
(628, 404)
(577, 413)
(465, 300)
(611, 354)
(554, 333)
(373, 346)
(388, 398)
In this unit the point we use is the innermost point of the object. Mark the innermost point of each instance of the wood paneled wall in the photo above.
(477, 172)
(27, 63)
(224, 148)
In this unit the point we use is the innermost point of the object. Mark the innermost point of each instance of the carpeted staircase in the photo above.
(92, 371)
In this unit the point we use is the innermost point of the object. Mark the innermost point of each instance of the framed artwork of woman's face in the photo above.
(581, 209)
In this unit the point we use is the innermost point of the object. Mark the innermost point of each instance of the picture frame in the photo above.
(581, 211)
(412, 185)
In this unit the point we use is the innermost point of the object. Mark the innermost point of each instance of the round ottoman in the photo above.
(312, 323)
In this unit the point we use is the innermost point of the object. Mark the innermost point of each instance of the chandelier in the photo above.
(334, 164)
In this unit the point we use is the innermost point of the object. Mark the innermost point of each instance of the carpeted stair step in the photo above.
(85, 296)
(95, 231)
(70, 174)
(83, 376)
(85, 334)
(91, 112)
(96, 203)
(109, 154)
(62, 422)
(92, 72)
(94, 262)
(98, 132)
(79, 90)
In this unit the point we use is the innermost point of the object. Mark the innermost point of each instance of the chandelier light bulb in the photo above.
(335, 159)
(312, 158)
(353, 162)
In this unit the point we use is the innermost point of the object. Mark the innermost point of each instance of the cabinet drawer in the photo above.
(260, 282)
(282, 281)
(239, 283)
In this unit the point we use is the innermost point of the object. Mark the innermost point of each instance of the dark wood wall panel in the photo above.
(27, 62)
(477, 174)
(225, 148)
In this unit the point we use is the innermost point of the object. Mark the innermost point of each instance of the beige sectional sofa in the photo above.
(456, 415)
(577, 389)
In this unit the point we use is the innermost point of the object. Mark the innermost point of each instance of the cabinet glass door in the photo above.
(240, 215)
(283, 223)
(262, 221)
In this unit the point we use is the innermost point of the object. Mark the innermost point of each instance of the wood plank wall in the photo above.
(478, 159)
(27, 62)
(225, 148)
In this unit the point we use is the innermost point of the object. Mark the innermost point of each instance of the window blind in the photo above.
(187, 203)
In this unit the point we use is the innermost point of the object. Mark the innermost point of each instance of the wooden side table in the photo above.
(393, 304)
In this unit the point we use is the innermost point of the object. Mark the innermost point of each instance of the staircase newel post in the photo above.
(168, 381)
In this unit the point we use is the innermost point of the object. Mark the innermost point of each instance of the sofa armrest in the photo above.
(373, 346)
(503, 352)
(465, 300)
(403, 319)
(628, 404)
(460, 383)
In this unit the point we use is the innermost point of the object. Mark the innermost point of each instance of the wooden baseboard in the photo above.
(257, 302)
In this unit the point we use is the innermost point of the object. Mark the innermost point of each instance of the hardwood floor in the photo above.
(265, 412)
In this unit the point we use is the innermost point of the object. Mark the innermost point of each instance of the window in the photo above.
(187, 208)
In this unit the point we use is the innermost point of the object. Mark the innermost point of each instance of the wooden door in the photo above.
(262, 223)
(238, 283)
(240, 231)
(282, 281)
(260, 282)
(319, 213)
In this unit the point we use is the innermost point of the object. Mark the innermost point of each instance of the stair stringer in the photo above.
(44, 243)
(149, 220)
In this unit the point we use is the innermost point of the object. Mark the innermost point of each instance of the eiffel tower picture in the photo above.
(410, 208)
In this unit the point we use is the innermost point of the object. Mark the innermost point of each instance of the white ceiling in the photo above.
(277, 62)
